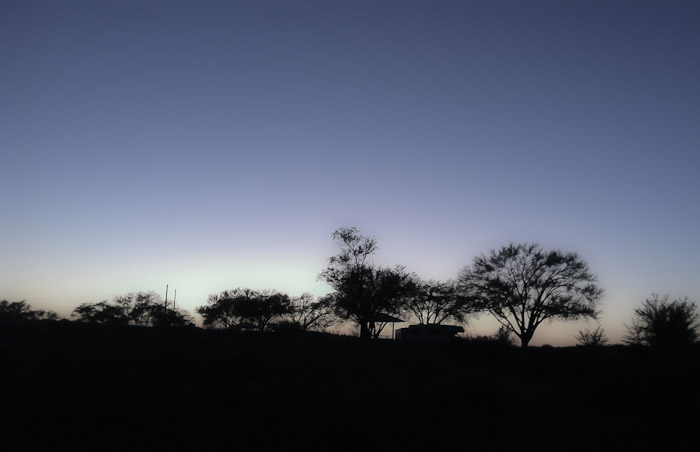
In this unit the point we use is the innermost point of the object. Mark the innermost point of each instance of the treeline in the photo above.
(21, 310)
(140, 309)
(519, 285)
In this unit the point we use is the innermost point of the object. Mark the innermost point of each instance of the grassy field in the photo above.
(101, 388)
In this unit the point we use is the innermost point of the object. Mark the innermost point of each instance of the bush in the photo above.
(503, 336)
(595, 338)
(660, 323)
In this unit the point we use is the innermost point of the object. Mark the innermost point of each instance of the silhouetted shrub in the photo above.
(494, 341)
(504, 336)
(660, 323)
(594, 338)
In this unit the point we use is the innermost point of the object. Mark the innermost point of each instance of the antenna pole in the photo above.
(174, 298)
(166, 297)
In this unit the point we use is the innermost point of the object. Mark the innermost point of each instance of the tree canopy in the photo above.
(364, 291)
(434, 302)
(522, 285)
(21, 310)
(140, 309)
(308, 313)
(229, 308)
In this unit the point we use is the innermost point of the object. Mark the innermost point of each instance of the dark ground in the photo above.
(102, 388)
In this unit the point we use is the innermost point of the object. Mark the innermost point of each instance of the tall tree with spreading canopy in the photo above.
(363, 291)
(230, 307)
(522, 285)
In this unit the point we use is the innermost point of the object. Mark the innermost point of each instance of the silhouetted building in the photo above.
(386, 318)
(428, 333)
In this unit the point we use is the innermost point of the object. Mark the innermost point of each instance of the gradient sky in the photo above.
(215, 144)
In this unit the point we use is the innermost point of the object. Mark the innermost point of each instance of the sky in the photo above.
(209, 145)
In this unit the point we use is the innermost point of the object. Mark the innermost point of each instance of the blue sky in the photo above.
(210, 145)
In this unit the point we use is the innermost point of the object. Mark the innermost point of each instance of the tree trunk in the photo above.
(525, 339)
(365, 332)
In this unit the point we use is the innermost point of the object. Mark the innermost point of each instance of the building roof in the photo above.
(386, 318)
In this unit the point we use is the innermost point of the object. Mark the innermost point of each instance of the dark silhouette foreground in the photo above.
(116, 387)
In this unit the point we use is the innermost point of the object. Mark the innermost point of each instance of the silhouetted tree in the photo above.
(231, 307)
(140, 309)
(363, 290)
(522, 286)
(221, 308)
(148, 309)
(309, 314)
(21, 310)
(661, 323)
(436, 301)
(592, 338)
(171, 317)
(267, 306)
(143, 308)
(101, 312)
